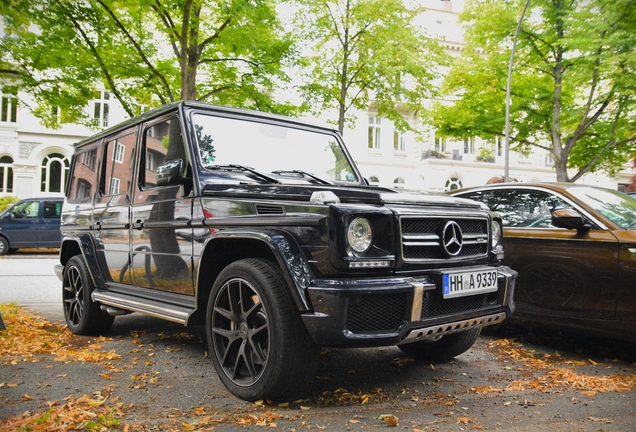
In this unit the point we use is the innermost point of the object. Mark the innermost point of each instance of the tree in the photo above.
(366, 50)
(145, 52)
(573, 91)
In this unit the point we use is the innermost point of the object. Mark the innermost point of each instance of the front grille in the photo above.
(367, 313)
(435, 306)
(422, 238)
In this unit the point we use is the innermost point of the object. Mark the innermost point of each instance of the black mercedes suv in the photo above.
(261, 228)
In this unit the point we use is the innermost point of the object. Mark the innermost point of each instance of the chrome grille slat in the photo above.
(421, 241)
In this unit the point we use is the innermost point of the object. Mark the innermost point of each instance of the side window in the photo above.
(27, 210)
(163, 152)
(119, 161)
(524, 208)
(52, 209)
(84, 175)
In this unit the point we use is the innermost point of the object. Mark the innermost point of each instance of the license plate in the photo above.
(462, 284)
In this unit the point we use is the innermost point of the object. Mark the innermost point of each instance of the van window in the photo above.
(119, 161)
(52, 209)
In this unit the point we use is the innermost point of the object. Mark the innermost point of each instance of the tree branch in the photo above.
(138, 49)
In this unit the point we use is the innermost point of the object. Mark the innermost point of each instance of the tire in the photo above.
(258, 343)
(443, 349)
(4, 246)
(82, 315)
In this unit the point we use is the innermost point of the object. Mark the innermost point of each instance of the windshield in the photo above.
(614, 205)
(283, 152)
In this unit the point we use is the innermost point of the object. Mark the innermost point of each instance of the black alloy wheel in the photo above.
(257, 341)
(82, 315)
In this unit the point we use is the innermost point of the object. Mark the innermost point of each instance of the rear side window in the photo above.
(119, 161)
(52, 209)
(84, 172)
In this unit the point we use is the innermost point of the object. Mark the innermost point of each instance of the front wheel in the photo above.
(256, 338)
(4, 246)
(443, 349)
(82, 315)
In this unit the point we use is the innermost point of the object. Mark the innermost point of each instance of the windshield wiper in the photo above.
(303, 174)
(235, 167)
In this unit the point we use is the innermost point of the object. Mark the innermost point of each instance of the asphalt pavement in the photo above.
(165, 379)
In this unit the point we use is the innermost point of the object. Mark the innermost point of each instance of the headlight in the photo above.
(496, 234)
(359, 235)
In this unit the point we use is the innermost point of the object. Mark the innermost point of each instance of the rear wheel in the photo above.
(4, 246)
(443, 349)
(83, 316)
(256, 338)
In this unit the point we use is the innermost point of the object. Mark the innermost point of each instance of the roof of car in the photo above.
(155, 112)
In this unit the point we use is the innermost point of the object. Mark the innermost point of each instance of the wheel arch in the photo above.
(82, 245)
(226, 247)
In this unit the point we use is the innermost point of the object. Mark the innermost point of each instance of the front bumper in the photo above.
(392, 311)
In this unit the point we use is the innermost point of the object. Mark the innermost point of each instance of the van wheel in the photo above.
(83, 316)
(443, 349)
(256, 338)
(4, 246)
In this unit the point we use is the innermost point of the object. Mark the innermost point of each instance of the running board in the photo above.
(435, 332)
(171, 312)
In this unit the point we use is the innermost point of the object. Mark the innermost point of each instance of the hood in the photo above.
(344, 194)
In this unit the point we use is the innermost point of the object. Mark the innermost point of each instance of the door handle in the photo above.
(138, 224)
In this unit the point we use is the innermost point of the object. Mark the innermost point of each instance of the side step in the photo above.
(170, 312)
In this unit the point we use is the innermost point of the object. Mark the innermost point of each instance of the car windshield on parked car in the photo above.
(270, 153)
(574, 247)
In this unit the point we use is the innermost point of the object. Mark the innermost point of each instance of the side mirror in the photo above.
(169, 174)
(569, 219)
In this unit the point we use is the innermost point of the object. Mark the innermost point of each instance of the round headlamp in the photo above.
(359, 235)
(496, 234)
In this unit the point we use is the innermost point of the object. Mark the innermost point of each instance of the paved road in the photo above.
(452, 396)
(29, 280)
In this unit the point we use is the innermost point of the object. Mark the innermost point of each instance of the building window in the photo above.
(440, 143)
(100, 108)
(374, 180)
(6, 174)
(53, 173)
(499, 144)
(150, 161)
(119, 152)
(9, 112)
(113, 187)
(453, 183)
(469, 145)
(398, 183)
(398, 141)
(374, 132)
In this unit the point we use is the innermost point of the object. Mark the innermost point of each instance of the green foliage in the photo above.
(573, 91)
(363, 50)
(7, 201)
(145, 52)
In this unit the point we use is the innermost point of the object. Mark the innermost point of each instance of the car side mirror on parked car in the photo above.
(169, 174)
(569, 219)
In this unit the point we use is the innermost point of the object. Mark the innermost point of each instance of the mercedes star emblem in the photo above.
(452, 238)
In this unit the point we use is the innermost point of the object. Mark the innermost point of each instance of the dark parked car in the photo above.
(574, 247)
(261, 228)
(31, 223)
